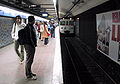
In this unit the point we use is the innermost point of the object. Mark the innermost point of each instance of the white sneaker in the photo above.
(21, 62)
(32, 78)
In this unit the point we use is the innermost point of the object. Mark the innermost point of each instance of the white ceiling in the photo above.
(86, 6)
(65, 5)
(47, 4)
(42, 1)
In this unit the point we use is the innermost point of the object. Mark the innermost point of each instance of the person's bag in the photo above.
(21, 36)
(48, 33)
(41, 28)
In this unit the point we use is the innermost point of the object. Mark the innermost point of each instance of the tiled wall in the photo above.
(5, 31)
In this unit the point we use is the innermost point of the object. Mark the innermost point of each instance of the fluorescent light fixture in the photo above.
(51, 9)
(14, 13)
(33, 6)
(54, 1)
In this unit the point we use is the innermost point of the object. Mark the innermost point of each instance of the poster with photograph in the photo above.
(108, 32)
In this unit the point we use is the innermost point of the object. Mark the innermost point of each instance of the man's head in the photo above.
(18, 19)
(31, 19)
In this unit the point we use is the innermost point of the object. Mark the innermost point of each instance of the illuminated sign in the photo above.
(44, 14)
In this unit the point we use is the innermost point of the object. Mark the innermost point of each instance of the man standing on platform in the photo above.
(30, 44)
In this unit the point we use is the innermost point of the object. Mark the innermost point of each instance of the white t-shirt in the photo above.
(15, 29)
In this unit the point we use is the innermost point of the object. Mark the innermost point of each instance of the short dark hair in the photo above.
(31, 18)
(18, 16)
(45, 23)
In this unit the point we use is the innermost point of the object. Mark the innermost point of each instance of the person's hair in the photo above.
(31, 19)
(45, 23)
(18, 16)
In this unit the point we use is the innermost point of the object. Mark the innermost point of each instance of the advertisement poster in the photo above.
(108, 32)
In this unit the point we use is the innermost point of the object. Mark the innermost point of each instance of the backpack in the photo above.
(21, 36)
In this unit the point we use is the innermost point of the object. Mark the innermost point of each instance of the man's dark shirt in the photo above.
(30, 35)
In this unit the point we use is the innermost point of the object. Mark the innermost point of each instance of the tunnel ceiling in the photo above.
(65, 8)
(69, 8)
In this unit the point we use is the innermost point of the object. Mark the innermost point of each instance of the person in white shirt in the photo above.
(18, 25)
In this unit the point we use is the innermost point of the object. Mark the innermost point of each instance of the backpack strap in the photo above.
(14, 27)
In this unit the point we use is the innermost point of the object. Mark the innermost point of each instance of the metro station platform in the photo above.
(47, 64)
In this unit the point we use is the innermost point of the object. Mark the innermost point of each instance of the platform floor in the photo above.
(47, 64)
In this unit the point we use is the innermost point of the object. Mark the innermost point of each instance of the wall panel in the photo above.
(5, 31)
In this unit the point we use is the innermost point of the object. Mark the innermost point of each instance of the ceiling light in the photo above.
(54, 1)
(51, 9)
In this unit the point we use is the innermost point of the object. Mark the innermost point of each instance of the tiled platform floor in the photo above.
(47, 64)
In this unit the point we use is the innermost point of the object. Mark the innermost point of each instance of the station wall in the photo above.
(88, 35)
(87, 22)
(5, 31)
